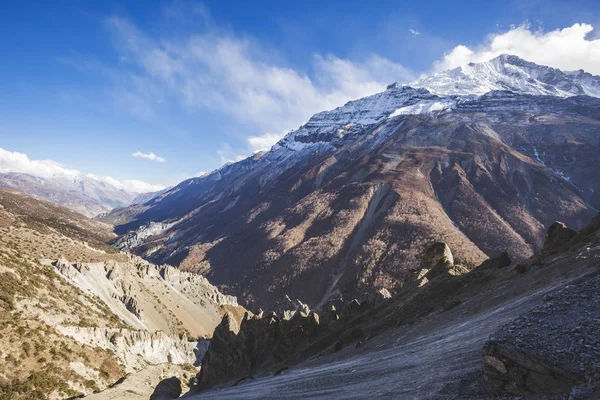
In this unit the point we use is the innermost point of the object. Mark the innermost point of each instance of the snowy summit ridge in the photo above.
(508, 72)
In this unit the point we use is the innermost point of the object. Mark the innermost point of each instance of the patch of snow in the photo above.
(425, 107)
(537, 155)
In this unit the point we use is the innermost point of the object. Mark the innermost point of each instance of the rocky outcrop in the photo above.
(437, 255)
(135, 238)
(513, 372)
(500, 261)
(138, 348)
(258, 342)
(553, 349)
(557, 235)
(150, 297)
(436, 261)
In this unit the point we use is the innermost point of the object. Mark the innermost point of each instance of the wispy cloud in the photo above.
(148, 156)
(222, 72)
(12, 161)
(264, 142)
(228, 155)
(569, 49)
(414, 32)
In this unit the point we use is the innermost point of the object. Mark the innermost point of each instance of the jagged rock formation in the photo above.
(151, 297)
(436, 261)
(437, 255)
(258, 342)
(426, 341)
(347, 204)
(136, 349)
(71, 328)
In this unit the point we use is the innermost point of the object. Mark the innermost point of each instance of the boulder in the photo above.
(437, 259)
(167, 389)
(501, 261)
(437, 253)
(557, 235)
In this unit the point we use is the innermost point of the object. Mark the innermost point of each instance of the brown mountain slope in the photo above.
(354, 214)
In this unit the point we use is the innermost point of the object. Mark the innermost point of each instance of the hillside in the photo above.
(76, 315)
(503, 330)
(346, 204)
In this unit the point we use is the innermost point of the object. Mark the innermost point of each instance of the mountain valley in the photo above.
(437, 240)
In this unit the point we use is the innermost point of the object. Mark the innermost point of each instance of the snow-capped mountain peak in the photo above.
(509, 72)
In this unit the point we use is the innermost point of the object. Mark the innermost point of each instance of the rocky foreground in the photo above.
(503, 329)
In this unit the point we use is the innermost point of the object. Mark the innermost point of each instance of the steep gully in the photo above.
(382, 199)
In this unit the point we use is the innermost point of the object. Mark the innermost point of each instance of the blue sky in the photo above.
(87, 83)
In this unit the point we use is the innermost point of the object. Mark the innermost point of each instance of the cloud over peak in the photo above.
(567, 49)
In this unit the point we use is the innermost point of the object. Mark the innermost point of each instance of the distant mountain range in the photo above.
(81, 193)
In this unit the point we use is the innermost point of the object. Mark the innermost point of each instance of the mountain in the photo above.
(84, 195)
(76, 315)
(484, 158)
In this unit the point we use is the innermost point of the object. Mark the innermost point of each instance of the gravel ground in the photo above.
(564, 331)
(423, 367)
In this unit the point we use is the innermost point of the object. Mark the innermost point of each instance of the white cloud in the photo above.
(235, 76)
(12, 161)
(264, 142)
(228, 155)
(414, 32)
(148, 156)
(567, 49)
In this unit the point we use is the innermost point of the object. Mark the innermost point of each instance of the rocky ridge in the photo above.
(150, 297)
